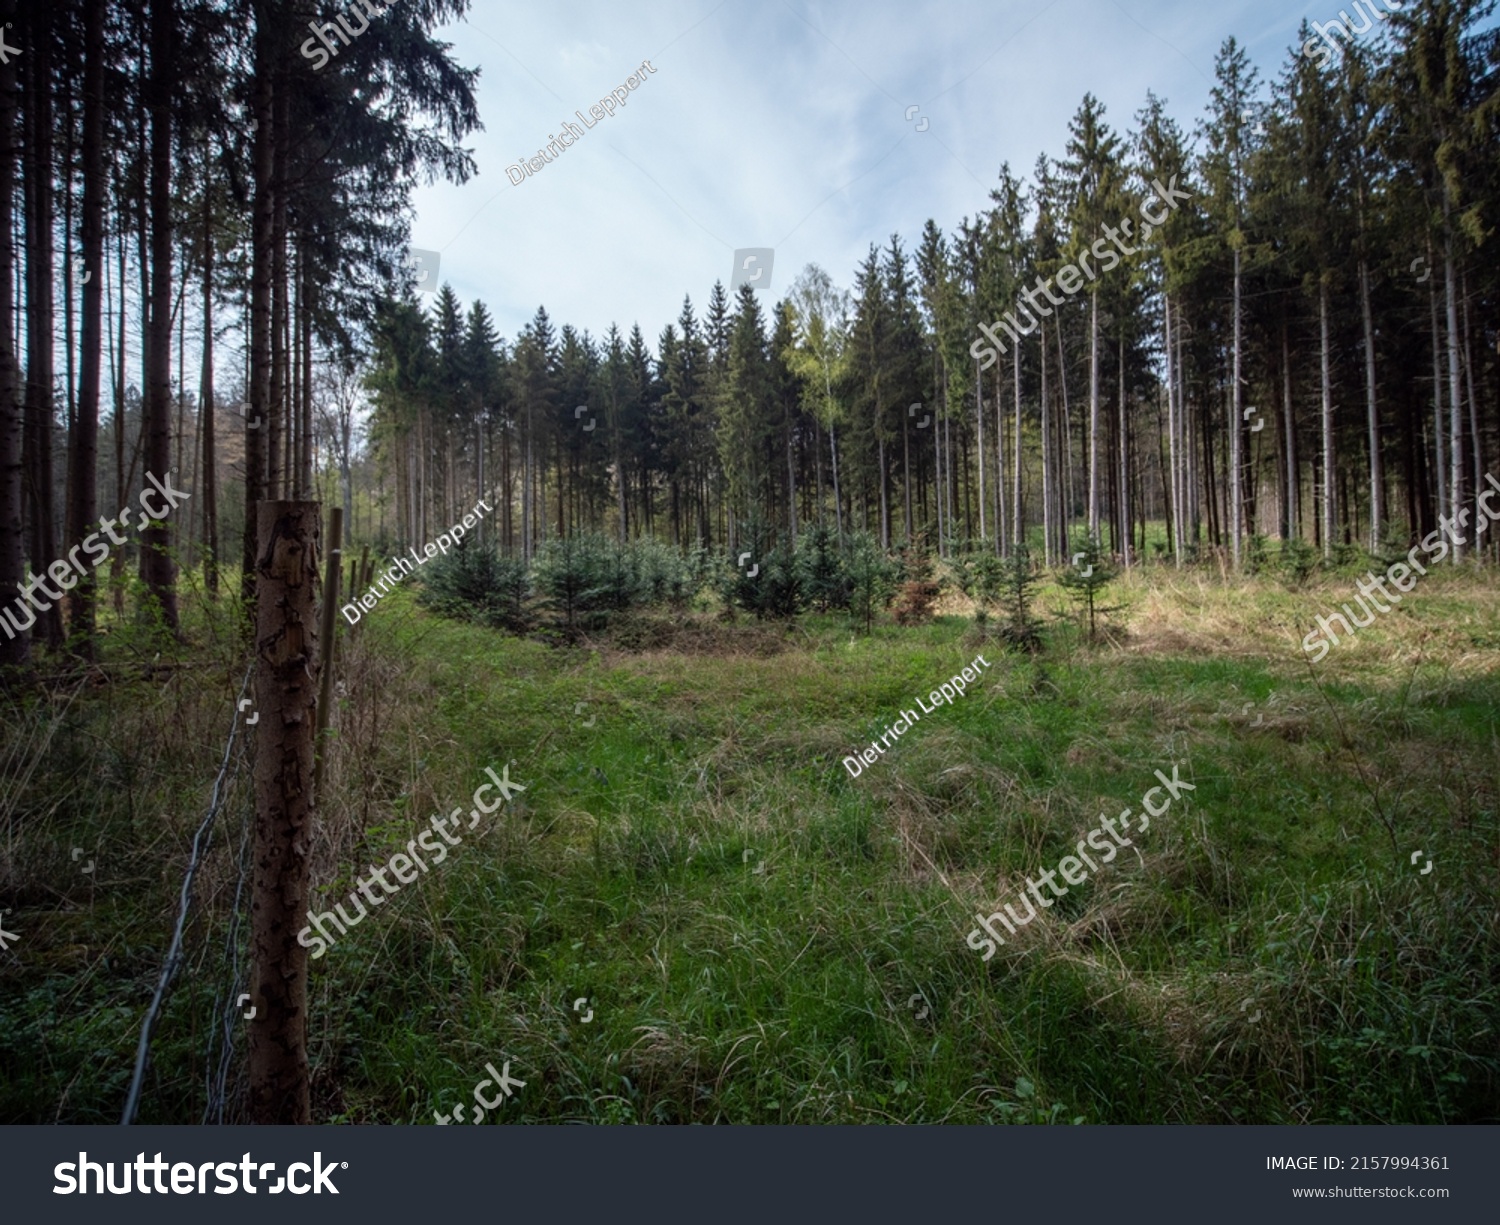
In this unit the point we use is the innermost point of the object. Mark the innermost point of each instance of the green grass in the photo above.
(750, 926)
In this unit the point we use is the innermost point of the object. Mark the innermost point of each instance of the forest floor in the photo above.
(694, 913)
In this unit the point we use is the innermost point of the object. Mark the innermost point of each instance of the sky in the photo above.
(783, 124)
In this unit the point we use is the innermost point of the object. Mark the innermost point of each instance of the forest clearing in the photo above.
(899, 584)
(760, 938)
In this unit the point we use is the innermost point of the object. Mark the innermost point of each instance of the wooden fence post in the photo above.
(286, 678)
(327, 640)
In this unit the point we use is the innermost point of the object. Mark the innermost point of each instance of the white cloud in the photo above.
(759, 130)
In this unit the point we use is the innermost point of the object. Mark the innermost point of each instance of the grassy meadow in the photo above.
(762, 939)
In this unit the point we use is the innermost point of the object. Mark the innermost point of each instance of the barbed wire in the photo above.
(201, 841)
(217, 1084)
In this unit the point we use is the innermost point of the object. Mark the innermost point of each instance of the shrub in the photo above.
(1297, 562)
(918, 591)
(825, 577)
(577, 577)
(981, 577)
(872, 578)
(1256, 557)
(1020, 632)
(476, 584)
(1087, 583)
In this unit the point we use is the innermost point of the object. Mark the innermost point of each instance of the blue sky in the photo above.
(782, 123)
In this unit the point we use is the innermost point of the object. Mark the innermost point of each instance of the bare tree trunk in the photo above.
(947, 427)
(157, 570)
(40, 367)
(833, 451)
(305, 301)
(1016, 527)
(1330, 464)
(286, 680)
(1237, 427)
(14, 645)
(84, 450)
(937, 476)
(1474, 452)
(210, 484)
(1174, 462)
(791, 478)
(979, 424)
(263, 236)
(1124, 465)
(277, 475)
(1065, 451)
(1001, 535)
(117, 558)
(1292, 497)
(1377, 471)
(1093, 411)
(1047, 481)
(1437, 397)
(1455, 434)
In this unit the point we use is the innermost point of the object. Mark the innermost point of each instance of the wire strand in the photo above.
(174, 953)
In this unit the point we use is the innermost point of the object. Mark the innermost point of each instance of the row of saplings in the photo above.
(582, 583)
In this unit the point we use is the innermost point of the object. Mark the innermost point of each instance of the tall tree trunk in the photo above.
(84, 451)
(1377, 471)
(1093, 412)
(210, 485)
(117, 558)
(791, 476)
(1047, 481)
(37, 439)
(306, 299)
(1124, 464)
(14, 646)
(1292, 496)
(158, 572)
(1000, 525)
(1330, 463)
(1475, 455)
(1017, 530)
(1174, 458)
(268, 45)
(1440, 459)
(1065, 452)
(979, 425)
(278, 476)
(1455, 399)
(1236, 426)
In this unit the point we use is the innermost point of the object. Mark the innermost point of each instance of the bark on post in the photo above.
(327, 642)
(286, 643)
